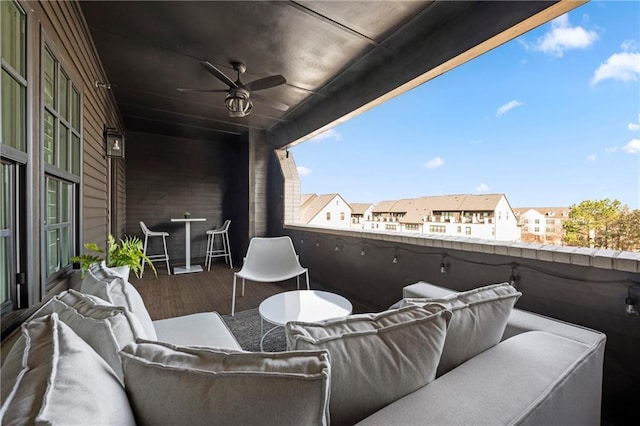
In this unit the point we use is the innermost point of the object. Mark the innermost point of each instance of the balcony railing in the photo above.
(579, 285)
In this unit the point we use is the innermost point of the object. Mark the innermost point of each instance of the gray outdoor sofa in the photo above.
(542, 371)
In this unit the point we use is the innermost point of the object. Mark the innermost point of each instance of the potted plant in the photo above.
(128, 253)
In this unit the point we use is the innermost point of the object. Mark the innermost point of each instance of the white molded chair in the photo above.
(149, 233)
(269, 260)
(224, 251)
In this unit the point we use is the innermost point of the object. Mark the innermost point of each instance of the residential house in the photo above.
(360, 212)
(72, 70)
(476, 216)
(325, 210)
(542, 224)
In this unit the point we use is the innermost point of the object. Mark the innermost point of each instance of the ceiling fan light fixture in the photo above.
(238, 103)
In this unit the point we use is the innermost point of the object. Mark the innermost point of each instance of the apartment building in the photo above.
(542, 224)
(360, 212)
(487, 216)
(330, 210)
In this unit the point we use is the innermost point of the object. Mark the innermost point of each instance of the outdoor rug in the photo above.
(245, 326)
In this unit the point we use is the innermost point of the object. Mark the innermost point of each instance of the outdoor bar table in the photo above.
(187, 246)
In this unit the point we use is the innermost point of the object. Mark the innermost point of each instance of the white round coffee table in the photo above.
(301, 305)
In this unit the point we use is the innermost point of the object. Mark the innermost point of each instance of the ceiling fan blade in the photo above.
(269, 102)
(265, 83)
(180, 89)
(218, 74)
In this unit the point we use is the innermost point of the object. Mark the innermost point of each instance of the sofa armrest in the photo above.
(202, 329)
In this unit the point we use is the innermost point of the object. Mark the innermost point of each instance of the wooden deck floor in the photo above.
(167, 296)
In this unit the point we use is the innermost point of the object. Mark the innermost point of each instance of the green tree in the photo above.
(593, 223)
(626, 235)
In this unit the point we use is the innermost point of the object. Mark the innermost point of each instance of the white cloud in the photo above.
(563, 37)
(624, 66)
(434, 163)
(329, 134)
(507, 107)
(633, 147)
(303, 171)
(591, 157)
(634, 126)
(612, 149)
(483, 187)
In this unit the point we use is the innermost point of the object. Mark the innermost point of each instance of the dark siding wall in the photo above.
(168, 176)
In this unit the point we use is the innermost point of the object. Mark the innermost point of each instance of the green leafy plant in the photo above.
(129, 251)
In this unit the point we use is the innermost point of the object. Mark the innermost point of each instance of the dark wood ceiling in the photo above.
(337, 56)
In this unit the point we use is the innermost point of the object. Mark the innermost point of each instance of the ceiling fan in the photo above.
(238, 100)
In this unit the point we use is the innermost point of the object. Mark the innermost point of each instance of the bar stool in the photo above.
(149, 233)
(224, 251)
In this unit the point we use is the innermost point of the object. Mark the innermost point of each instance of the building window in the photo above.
(441, 229)
(61, 147)
(13, 119)
(467, 230)
(537, 221)
(459, 229)
(526, 221)
(536, 229)
(389, 227)
(412, 227)
(328, 215)
(526, 229)
(341, 215)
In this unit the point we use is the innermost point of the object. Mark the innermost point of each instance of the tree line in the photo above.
(604, 224)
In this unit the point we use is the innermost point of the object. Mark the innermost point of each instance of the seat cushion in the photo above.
(168, 384)
(103, 282)
(535, 378)
(106, 328)
(61, 380)
(479, 320)
(201, 329)
(375, 358)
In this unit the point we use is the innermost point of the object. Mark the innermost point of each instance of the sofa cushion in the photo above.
(106, 328)
(535, 378)
(201, 329)
(375, 358)
(61, 380)
(103, 282)
(479, 320)
(168, 384)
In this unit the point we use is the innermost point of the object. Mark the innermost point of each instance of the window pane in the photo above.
(5, 182)
(4, 268)
(63, 144)
(52, 201)
(13, 36)
(75, 109)
(13, 113)
(75, 154)
(65, 200)
(53, 264)
(49, 79)
(49, 138)
(64, 96)
(64, 246)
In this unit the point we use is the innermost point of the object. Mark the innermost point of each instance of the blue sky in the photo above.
(550, 119)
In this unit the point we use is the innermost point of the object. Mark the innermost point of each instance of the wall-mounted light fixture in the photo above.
(114, 143)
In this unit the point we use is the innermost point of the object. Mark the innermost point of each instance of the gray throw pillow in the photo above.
(375, 358)
(479, 319)
(61, 380)
(169, 384)
(104, 283)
